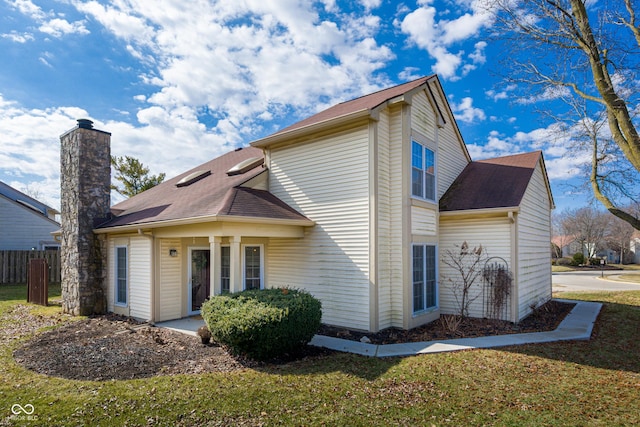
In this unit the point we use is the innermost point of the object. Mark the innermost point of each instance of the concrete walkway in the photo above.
(578, 325)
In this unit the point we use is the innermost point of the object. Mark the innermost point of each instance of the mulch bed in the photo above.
(116, 348)
(545, 318)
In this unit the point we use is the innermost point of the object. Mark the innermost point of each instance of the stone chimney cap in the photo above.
(85, 124)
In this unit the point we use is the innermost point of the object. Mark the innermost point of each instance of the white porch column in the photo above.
(235, 278)
(214, 271)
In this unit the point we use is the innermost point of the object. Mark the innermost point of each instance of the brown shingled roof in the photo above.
(491, 183)
(214, 194)
(367, 102)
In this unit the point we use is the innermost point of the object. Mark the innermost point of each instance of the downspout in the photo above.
(514, 264)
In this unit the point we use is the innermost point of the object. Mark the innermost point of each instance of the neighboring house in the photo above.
(25, 223)
(357, 204)
(634, 246)
(568, 245)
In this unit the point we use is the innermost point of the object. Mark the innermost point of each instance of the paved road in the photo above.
(589, 281)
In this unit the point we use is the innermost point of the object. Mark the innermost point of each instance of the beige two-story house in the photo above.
(356, 204)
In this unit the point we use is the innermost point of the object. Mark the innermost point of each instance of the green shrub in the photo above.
(578, 258)
(263, 323)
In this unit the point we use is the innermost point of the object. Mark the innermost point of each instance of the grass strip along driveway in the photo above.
(584, 383)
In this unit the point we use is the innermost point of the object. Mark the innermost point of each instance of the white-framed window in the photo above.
(253, 277)
(425, 286)
(423, 172)
(121, 275)
(225, 269)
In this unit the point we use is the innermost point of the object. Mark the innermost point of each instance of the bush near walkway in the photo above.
(263, 323)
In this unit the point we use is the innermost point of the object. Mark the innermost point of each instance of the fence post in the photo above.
(38, 282)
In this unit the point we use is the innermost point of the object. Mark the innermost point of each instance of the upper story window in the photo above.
(423, 172)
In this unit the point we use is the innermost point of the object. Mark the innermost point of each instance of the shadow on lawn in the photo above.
(614, 343)
(364, 367)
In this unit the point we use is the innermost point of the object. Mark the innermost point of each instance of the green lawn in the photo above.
(583, 383)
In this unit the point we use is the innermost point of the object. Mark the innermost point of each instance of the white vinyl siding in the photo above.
(170, 281)
(140, 277)
(384, 223)
(423, 221)
(327, 181)
(397, 196)
(424, 115)
(534, 235)
(495, 237)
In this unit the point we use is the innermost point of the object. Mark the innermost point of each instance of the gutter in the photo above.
(510, 211)
(205, 219)
(315, 127)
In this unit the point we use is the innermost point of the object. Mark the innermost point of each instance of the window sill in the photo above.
(424, 312)
(423, 203)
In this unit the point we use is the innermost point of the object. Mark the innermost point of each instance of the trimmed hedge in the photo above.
(263, 323)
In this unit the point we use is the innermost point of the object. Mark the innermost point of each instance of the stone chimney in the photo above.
(85, 180)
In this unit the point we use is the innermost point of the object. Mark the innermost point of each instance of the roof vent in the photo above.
(245, 166)
(193, 177)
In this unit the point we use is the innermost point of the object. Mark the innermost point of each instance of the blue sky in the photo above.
(178, 83)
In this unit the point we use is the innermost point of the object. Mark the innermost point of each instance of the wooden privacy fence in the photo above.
(14, 265)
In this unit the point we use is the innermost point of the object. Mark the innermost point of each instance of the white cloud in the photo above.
(49, 24)
(244, 60)
(371, 4)
(563, 162)
(427, 29)
(549, 94)
(18, 38)
(30, 148)
(27, 7)
(59, 27)
(466, 112)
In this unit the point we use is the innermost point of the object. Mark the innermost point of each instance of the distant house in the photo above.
(25, 223)
(356, 204)
(568, 245)
(634, 247)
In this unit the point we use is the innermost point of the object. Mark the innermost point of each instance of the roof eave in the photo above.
(480, 212)
(205, 219)
(315, 127)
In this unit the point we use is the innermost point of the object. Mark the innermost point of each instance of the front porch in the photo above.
(193, 263)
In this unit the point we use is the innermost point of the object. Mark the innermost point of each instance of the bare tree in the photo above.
(559, 231)
(619, 237)
(468, 264)
(586, 54)
(590, 227)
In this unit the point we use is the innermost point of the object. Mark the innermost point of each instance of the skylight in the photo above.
(245, 166)
(193, 177)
